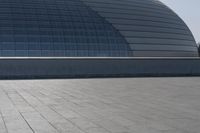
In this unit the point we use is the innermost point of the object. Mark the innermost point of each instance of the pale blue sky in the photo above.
(189, 11)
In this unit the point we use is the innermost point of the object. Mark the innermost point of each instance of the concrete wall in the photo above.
(97, 67)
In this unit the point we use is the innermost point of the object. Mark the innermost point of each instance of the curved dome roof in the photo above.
(92, 28)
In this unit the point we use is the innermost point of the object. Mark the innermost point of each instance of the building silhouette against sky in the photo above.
(92, 28)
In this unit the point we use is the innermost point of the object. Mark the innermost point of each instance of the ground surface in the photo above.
(124, 105)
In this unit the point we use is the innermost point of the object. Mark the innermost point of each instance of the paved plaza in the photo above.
(115, 105)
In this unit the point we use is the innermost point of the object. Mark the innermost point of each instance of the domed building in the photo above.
(92, 28)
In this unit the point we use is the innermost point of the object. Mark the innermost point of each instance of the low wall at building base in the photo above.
(11, 68)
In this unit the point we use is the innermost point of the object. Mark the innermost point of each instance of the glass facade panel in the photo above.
(91, 28)
(148, 26)
(56, 28)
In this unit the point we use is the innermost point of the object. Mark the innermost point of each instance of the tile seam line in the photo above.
(52, 110)
(18, 111)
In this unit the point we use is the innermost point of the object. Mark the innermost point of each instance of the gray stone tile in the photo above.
(84, 123)
(97, 130)
(122, 105)
(2, 125)
(67, 127)
(38, 123)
